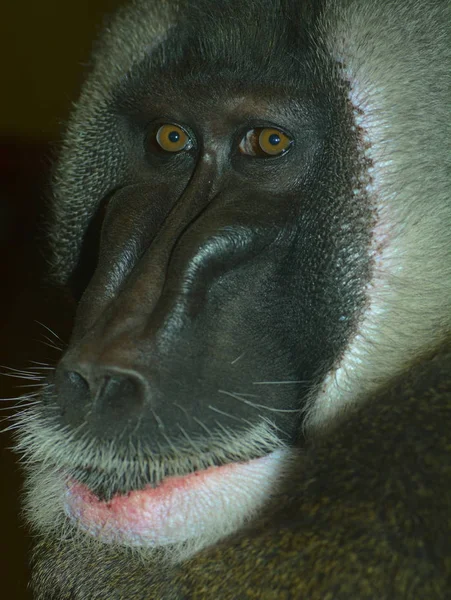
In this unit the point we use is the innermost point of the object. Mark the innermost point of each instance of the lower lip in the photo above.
(180, 508)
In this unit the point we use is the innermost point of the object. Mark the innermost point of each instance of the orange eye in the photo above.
(273, 141)
(265, 142)
(173, 138)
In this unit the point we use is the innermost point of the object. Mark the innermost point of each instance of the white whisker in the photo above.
(258, 406)
(288, 382)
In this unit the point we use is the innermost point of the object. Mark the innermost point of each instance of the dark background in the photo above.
(44, 47)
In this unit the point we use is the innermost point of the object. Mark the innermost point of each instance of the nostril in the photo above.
(76, 382)
(119, 396)
(73, 395)
(104, 398)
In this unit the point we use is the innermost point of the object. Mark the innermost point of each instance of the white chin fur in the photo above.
(204, 505)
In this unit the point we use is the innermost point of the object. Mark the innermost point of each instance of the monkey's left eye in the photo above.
(173, 138)
(266, 141)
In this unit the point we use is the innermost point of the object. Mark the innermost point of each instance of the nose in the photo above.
(107, 397)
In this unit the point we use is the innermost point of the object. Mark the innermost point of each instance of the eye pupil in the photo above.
(264, 142)
(174, 136)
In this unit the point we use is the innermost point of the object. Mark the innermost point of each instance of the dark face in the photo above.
(232, 261)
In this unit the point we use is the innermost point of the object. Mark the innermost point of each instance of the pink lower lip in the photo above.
(179, 508)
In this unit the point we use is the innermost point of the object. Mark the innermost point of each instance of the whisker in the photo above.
(11, 427)
(31, 385)
(21, 377)
(237, 358)
(272, 425)
(135, 428)
(170, 444)
(42, 366)
(288, 382)
(204, 427)
(221, 412)
(183, 409)
(190, 441)
(49, 344)
(224, 429)
(50, 331)
(259, 406)
(20, 374)
(22, 405)
(21, 397)
(158, 420)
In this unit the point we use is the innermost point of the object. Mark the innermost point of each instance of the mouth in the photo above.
(217, 499)
(132, 475)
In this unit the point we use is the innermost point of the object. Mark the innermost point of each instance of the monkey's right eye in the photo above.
(173, 138)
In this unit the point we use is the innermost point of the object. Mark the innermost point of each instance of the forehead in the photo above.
(236, 80)
(229, 45)
(198, 96)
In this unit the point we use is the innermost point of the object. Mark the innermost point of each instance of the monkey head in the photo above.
(226, 210)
